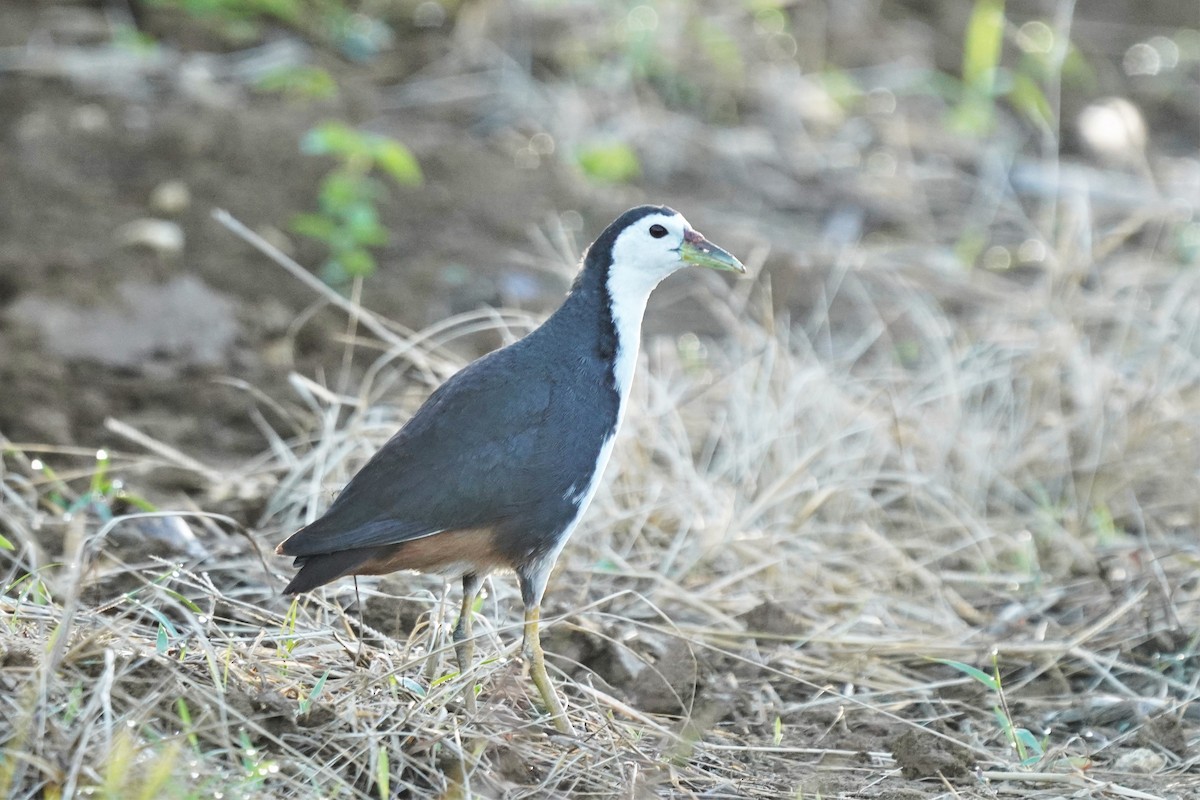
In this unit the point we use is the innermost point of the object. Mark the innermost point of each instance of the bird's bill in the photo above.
(698, 251)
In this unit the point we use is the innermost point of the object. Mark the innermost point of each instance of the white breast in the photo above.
(632, 277)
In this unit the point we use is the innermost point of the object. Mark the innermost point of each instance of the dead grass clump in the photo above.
(815, 541)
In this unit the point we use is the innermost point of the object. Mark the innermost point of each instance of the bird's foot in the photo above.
(531, 650)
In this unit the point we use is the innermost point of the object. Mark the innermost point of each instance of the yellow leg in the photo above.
(464, 642)
(532, 649)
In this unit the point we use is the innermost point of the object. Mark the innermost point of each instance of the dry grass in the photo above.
(802, 515)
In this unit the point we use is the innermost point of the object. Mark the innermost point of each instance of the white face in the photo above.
(647, 252)
(642, 255)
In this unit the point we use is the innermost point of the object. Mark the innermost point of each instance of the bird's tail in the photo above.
(319, 570)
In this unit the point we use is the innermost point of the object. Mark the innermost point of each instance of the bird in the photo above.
(497, 467)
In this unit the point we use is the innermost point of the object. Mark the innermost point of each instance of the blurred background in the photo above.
(501, 136)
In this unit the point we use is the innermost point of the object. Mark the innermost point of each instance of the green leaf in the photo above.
(970, 247)
(722, 49)
(332, 138)
(397, 161)
(312, 83)
(982, 45)
(357, 263)
(610, 162)
(5, 544)
(130, 39)
(185, 716)
(141, 503)
(840, 86)
(363, 222)
(162, 642)
(974, 115)
(187, 603)
(74, 705)
(1029, 742)
(164, 624)
(1028, 98)
(449, 676)
(341, 190)
(383, 774)
(316, 226)
(100, 482)
(974, 672)
(307, 702)
(1077, 72)
(333, 273)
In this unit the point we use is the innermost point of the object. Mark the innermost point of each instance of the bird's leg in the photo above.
(464, 643)
(531, 648)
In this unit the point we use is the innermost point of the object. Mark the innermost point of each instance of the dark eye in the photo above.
(658, 231)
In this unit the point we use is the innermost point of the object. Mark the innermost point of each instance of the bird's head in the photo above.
(651, 242)
(648, 243)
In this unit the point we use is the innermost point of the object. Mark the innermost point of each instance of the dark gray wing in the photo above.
(489, 445)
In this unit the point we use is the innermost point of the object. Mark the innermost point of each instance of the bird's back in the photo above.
(508, 444)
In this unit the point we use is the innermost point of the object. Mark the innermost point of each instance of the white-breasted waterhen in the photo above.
(495, 470)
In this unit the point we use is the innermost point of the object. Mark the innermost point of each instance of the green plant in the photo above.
(347, 220)
(105, 496)
(134, 770)
(130, 39)
(255, 763)
(282, 10)
(318, 687)
(234, 19)
(289, 627)
(29, 588)
(299, 83)
(189, 729)
(1042, 63)
(242, 19)
(383, 773)
(609, 162)
(1028, 748)
(983, 44)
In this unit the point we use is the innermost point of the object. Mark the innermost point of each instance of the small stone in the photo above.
(393, 616)
(922, 756)
(170, 198)
(179, 323)
(90, 118)
(277, 239)
(167, 537)
(162, 236)
(772, 618)
(1142, 761)
(1114, 130)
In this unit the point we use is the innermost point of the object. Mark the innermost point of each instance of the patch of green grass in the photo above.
(347, 216)
(300, 83)
(609, 162)
(134, 772)
(1029, 749)
(105, 496)
(1042, 61)
(243, 20)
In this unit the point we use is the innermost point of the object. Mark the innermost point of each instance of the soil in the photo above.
(80, 167)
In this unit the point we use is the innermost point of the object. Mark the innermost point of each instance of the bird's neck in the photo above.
(627, 304)
(607, 314)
